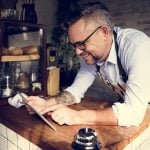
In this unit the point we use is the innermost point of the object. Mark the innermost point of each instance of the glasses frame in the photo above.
(81, 44)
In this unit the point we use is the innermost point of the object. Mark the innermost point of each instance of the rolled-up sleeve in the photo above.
(83, 80)
(137, 95)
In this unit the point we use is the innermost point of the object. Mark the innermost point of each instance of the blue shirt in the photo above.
(134, 53)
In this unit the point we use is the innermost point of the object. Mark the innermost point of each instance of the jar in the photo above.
(23, 81)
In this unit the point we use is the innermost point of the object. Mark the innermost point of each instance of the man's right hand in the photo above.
(38, 103)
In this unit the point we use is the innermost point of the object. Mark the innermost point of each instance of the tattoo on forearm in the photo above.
(65, 97)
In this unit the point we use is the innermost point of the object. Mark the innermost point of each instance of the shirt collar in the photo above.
(112, 58)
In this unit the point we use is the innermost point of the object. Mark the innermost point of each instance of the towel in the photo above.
(16, 101)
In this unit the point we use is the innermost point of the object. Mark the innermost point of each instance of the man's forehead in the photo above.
(81, 26)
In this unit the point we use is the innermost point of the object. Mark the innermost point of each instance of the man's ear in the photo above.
(105, 31)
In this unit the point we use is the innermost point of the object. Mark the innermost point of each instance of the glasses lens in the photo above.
(78, 45)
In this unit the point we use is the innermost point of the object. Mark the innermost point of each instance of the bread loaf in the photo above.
(30, 50)
(5, 52)
(15, 51)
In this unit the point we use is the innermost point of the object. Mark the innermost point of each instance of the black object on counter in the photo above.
(86, 139)
(28, 13)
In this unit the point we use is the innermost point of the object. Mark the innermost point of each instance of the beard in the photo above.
(91, 60)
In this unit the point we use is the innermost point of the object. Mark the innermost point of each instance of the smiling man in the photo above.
(90, 48)
(120, 57)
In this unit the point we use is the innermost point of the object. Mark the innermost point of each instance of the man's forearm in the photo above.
(103, 117)
(64, 97)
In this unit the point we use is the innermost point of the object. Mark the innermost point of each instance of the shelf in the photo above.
(37, 37)
(16, 27)
(11, 30)
(20, 58)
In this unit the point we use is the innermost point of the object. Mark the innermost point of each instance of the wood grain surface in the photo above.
(35, 130)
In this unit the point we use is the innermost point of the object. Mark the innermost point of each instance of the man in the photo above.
(119, 56)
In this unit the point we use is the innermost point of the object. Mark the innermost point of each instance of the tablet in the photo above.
(40, 115)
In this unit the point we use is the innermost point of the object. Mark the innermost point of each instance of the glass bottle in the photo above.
(28, 13)
(17, 71)
(22, 16)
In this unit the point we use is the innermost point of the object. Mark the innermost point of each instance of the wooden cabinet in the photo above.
(19, 35)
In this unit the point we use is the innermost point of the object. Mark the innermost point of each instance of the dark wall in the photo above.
(131, 13)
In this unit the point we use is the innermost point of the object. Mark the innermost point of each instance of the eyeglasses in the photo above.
(81, 44)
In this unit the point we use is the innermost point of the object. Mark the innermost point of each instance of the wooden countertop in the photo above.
(35, 130)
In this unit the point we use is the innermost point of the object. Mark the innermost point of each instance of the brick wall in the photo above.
(131, 13)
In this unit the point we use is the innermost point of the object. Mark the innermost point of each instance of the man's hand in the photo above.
(36, 102)
(62, 114)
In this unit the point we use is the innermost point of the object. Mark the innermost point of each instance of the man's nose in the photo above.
(78, 51)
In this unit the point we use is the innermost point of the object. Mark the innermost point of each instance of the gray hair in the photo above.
(95, 11)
